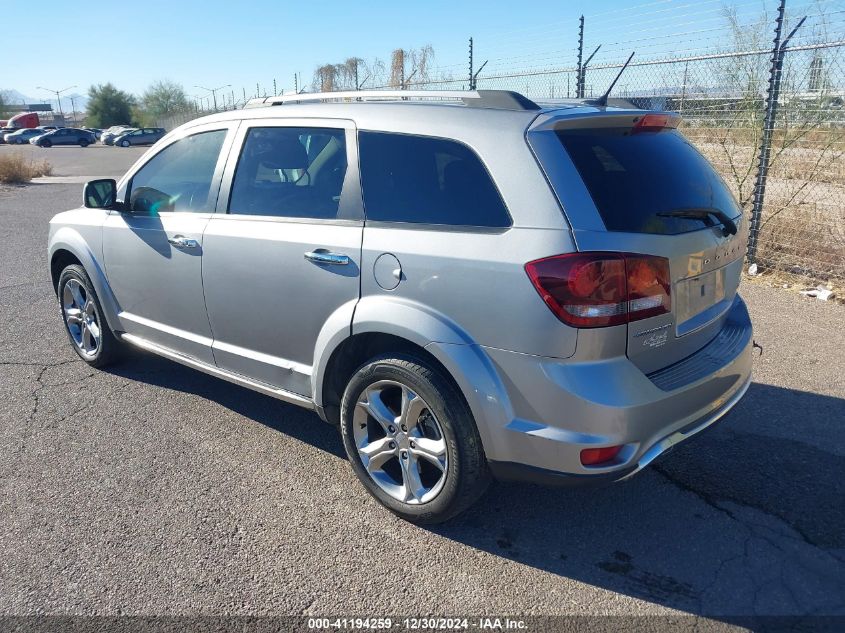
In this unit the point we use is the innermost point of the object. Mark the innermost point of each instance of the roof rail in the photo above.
(496, 99)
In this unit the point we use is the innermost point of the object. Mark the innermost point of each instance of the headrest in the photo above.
(281, 152)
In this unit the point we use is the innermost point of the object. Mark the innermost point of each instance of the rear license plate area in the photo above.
(696, 294)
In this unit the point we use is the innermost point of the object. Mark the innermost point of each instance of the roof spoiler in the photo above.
(641, 120)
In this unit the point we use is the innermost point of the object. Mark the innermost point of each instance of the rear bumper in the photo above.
(509, 471)
(564, 406)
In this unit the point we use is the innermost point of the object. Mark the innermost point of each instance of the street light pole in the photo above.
(58, 97)
(73, 99)
(213, 92)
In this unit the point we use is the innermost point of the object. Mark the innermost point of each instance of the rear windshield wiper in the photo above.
(704, 214)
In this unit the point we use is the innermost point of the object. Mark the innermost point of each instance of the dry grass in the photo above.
(16, 169)
(802, 230)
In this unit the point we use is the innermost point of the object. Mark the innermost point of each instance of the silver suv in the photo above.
(469, 284)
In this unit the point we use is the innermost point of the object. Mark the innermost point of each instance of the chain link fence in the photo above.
(770, 118)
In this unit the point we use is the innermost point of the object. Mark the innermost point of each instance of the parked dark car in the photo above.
(64, 136)
(141, 136)
(4, 131)
(97, 132)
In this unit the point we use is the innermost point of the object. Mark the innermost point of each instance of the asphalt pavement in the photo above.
(150, 488)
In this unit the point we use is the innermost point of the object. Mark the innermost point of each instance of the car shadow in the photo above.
(668, 535)
(291, 420)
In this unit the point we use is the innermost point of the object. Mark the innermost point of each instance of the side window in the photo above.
(427, 180)
(179, 177)
(290, 172)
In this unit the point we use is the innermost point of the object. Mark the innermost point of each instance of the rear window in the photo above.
(427, 180)
(635, 178)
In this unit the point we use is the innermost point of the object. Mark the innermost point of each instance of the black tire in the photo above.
(109, 348)
(83, 143)
(125, 143)
(46, 143)
(467, 476)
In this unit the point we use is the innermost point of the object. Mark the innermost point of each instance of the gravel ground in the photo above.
(153, 489)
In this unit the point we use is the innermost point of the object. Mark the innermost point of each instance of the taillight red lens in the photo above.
(648, 286)
(600, 289)
(581, 289)
(596, 456)
(655, 123)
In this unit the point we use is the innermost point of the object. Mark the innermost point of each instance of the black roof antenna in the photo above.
(602, 100)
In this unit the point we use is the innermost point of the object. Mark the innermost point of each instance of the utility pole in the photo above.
(73, 99)
(58, 97)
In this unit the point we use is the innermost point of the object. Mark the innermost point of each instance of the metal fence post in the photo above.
(471, 86)
(772, 94)
(579, 84)
(772, 97)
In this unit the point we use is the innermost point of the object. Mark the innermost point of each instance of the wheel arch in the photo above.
(354, 351)
(61, 259)
(396, 326)
(68, 247)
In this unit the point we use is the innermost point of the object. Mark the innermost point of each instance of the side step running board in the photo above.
(281, 394)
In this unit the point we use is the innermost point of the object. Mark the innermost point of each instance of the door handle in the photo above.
(180, 241)
(325, 257)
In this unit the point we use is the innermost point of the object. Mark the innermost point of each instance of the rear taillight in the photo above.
(600, 289)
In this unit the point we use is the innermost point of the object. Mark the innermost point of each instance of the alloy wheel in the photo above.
(400, 442)
(81, 317)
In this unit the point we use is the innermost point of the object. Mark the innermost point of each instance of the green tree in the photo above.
(161, 99)
(109, 106)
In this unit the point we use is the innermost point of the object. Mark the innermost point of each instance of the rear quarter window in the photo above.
(633, 178)
(427, 180)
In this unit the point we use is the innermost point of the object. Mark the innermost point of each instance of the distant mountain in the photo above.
(15, 97)
(18, 98)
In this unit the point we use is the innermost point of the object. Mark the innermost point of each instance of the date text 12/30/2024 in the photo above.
(419, 624)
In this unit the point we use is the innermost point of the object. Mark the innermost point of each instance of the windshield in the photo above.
(637, 178)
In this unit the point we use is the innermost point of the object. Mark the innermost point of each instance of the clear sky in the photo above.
(242, 43)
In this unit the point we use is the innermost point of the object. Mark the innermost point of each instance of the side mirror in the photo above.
(100, 194)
